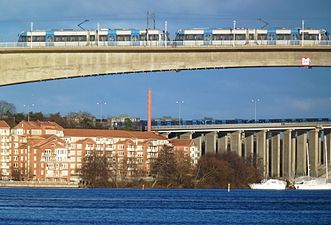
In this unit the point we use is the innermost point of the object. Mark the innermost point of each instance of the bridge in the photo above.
(281, 147)
(21, 65)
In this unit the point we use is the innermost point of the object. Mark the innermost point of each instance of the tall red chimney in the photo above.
(149, 110)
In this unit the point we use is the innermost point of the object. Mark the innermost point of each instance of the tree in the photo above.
(212, 172)
(6, 109)
(36, 116)
(80, 120)
(184, 169)
(95, 170)
(127, 124)
(163, 168)
(217, 170)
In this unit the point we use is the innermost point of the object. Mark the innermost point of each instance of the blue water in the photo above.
(163, 206)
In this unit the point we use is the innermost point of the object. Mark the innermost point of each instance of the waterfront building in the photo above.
(4, 150)
(186, 148)
(45, 151)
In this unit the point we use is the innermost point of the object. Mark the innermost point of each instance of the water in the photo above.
(158, 206)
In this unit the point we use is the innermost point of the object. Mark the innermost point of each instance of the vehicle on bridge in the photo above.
(103, 37)
(246, 36)
(183, 37)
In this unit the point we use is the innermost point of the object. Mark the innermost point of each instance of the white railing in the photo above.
(163, 44)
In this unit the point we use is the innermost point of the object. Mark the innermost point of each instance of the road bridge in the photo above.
(281, 147)
(21, 65)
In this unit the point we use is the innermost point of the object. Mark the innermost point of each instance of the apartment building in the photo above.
(186, 148)
(4, 150)
(131, 151)
(44, 151)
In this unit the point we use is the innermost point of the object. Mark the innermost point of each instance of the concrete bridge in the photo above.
(281, 147)
(21, 65)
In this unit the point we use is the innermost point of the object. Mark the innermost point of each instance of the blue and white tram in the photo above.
(244, 36)
(103, 37)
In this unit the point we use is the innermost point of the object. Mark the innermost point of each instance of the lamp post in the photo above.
(101, 105)
(28, 106)
(31, 30)
(179, 110)
(255, 102)
(234, 33)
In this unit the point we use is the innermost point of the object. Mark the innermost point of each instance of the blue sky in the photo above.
(221, 94)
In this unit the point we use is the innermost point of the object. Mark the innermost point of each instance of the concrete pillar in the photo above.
(287, 154)
(320, 147)
(262, 153)
(222, 142)
(210, 142)
(301, 166)
(275, 154)
(293, 154)
(186, 136)
(236, 142)
(328, 146)
(198, 142)
(249, 144)
(313, 152)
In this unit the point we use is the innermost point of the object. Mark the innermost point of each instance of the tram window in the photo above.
(38, 38)
(262, 37)
(92, 38)
(153, 37)
(240, 37)
(251, 37)
(311, 37)
(179, 37)
(283, 37)
(81, 38)
(103, 38)
(123, 37)
(223, 37)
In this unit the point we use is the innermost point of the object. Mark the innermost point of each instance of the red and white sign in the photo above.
(305, 62)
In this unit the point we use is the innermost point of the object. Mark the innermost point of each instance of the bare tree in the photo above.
(95, 169)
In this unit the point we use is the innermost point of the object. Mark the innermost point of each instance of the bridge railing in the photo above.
(163, 44)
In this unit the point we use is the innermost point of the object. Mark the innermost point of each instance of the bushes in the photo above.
(217, 170)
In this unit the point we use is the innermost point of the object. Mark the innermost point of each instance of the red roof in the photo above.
(39, 125)
(112, 134)
(4, 124)
(182, 142)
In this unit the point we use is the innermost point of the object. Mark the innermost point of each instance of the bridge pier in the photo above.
(186, 136)
(249, 144)
(328, 146)
(222, 142)
(236, 142)
(301, 162)
(275, 154)
(261, 149)
(313, 152)
(210, 142)
(287, 158)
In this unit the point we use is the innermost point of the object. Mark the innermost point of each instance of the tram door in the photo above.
(111, 37)
(49, 38)
(271, 37)
(207, 37)
(295, 37)
(135, 37)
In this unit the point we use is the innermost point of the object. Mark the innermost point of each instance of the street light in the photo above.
(255, 102)
(28, 106)
(179, 109)
(101, 104)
